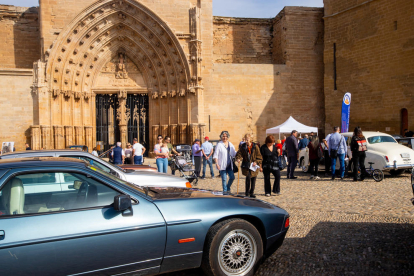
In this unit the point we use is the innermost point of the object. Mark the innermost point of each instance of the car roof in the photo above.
(367, 134)
(39, 152)
(41, 161)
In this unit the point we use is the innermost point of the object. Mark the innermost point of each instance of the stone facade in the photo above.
(201, 74)
(374, 43)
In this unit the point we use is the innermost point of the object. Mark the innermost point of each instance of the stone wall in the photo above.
(16, 110)
(374, 61)
(20, 40)
(249, 98)
(242, 40)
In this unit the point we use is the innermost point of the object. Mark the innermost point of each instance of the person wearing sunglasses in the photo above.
(161, 155)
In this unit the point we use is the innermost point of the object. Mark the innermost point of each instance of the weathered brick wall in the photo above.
(16, 110)
(20, 40)
(242, 40)
(374, 61)
(301, 39)
(253, 97)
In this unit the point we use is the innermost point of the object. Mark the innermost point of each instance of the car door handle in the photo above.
(2, 235)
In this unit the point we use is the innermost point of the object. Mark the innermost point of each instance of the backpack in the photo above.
(362, 145)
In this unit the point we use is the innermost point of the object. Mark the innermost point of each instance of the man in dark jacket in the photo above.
(292, 149)
(118, 154)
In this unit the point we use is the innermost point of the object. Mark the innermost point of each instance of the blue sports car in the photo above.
(63, 216)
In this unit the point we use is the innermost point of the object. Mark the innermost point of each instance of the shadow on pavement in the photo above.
(341, 248)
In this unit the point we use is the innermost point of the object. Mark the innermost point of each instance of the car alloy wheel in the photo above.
(237, 252)
(233, 247)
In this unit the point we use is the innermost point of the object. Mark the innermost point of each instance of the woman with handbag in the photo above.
(315, 155)
(249, 154)
(270, 165)
(358, 148)
(223, 156)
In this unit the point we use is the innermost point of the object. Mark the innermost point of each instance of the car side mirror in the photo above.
(122, 203)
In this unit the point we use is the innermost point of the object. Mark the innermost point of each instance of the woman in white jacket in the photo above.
(223, 156)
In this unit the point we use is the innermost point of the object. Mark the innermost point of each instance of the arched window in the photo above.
(404, 120)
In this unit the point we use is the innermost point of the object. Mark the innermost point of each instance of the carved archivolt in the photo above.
(122, 29)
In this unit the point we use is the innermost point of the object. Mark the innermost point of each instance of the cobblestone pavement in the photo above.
(339, 227)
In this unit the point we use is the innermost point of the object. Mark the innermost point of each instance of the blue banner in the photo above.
(346, 109)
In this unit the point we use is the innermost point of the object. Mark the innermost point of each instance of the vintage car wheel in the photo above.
(233, 247)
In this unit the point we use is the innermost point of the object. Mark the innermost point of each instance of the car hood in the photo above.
(149, 179)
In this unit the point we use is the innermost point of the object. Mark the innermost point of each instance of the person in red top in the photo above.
(284, 140)
(279, 147)
(315, 154)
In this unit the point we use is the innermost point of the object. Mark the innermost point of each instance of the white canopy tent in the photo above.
(289, 125)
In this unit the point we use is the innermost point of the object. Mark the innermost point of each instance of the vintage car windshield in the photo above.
(381, 139)
(133, 186)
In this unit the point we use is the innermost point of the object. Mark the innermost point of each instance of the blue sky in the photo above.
(233, 8)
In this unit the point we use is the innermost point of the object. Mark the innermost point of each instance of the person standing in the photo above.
(327, 160)
(223, 156)
(161, 155)
(270, 165)
(337, 150)
(242, 142)
(118, 154)
(303, 143)
(171, 152)
(249, 154)
(138, 151)
(28, 147)
(197, 154)
(315, 155)
(128, 154)
(358, 149)
(95, 152)
(292, 153)
(208, 151)
(283, 140)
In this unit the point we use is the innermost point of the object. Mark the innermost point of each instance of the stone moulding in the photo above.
(99, 28)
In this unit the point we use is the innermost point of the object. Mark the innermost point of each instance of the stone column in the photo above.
(182, 133)
(79, 135)
(58, 135)
(89, 138)
(68, 136)
(202, 129)
(155, 133)
(123, 116)
(42, 97)
(123, 130)
(45, 130)
(164, 130)
(36, 140)
(173, 134)
(194, 132)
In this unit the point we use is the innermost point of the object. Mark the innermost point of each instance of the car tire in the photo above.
(244, 249)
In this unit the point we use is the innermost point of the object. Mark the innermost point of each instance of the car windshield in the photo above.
(133, 186)
(381, 139)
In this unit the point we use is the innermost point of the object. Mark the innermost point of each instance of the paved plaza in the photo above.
(339, 227)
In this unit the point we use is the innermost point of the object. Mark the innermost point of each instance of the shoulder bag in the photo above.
(334, 153)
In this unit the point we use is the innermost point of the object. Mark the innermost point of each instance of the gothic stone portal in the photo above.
(117, 48)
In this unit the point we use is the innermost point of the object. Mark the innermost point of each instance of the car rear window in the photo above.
(381, 139)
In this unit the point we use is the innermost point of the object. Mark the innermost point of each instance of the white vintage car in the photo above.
(385, 152)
